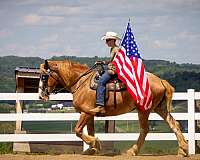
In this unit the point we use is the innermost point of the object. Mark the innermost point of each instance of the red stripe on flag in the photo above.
(136, 68)
(124, 81)
(126, 76)
(124, 73)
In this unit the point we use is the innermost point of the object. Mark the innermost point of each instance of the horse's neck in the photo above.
(70, 74)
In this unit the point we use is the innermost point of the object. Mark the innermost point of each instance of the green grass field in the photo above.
(149, 147)
(49, 126)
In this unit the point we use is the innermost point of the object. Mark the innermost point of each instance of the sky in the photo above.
(163, 29)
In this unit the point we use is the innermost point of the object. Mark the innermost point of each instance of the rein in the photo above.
(84, 74)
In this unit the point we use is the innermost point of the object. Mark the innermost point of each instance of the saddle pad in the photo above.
(113, 85)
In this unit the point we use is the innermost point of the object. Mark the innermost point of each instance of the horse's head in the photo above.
(48, 79)
(65, 73)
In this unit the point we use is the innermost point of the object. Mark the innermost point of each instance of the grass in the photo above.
(6, 128)
(6, 148)
(149, 147)
(133, 126)
(49, 126)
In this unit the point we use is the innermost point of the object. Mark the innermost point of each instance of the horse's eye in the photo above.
(44, 77)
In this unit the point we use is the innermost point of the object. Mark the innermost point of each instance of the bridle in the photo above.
(44, 77)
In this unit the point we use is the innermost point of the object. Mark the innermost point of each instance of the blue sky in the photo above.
(164, 29)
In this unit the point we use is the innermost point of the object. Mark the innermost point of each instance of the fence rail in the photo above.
(190, 116)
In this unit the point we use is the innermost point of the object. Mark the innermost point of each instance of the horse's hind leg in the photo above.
(88, 139)
(174, 125)
(144, 129)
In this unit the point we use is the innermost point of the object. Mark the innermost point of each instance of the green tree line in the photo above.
(181, 76)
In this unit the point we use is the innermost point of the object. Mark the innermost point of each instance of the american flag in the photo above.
(131, 71)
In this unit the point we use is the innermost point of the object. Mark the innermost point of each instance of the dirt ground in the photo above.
(84, 157)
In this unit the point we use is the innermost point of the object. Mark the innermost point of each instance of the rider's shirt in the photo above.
(113, 52)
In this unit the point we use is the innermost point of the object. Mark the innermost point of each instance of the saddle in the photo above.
(113, 85)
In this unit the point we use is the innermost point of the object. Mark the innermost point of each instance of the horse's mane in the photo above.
(79, 66)
(74, 66)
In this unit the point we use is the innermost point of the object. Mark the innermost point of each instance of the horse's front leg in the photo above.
(90, 127)
(86, 119)
(90, 130)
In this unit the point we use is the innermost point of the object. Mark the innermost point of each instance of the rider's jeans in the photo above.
(101, 89)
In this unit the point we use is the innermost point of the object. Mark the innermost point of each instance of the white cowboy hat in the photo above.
(110, 35)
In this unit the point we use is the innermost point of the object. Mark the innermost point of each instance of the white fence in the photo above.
(190, 116)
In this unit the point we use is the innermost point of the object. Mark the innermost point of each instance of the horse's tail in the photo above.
(169, 90)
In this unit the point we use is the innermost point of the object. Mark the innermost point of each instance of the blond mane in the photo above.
(66, 64)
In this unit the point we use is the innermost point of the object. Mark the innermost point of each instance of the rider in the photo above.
(110, 39)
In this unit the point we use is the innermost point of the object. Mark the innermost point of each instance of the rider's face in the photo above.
(110, 42)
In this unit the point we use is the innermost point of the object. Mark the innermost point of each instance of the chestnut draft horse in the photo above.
(76, 79)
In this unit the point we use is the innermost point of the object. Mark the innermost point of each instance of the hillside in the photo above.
(7, 70)
(181, 76)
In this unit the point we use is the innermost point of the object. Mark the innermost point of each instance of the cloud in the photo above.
(60, 10)
(71, 51)
(17, 50)
(164, 44)
(187, 36)
(182, 4)
(50, 38)
(44, 49)
(68, 27)
(27, 2)
(4, 33)
(34, 19)
(67, 51)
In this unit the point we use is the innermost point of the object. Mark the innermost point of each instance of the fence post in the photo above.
(191, 121)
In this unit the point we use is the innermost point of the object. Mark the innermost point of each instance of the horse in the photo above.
(76, 79)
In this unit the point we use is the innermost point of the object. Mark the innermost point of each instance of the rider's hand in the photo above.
(99, 62)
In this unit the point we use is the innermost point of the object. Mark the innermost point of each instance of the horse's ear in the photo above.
(46, 65)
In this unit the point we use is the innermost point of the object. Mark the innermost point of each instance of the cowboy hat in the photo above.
(110, 35)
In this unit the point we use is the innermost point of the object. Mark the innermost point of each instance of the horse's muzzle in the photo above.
(44, 97)
(43, 94)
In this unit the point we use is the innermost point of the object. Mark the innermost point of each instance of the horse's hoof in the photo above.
(132, 151)
(90, 151)
(182, 152)
(98, 144)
